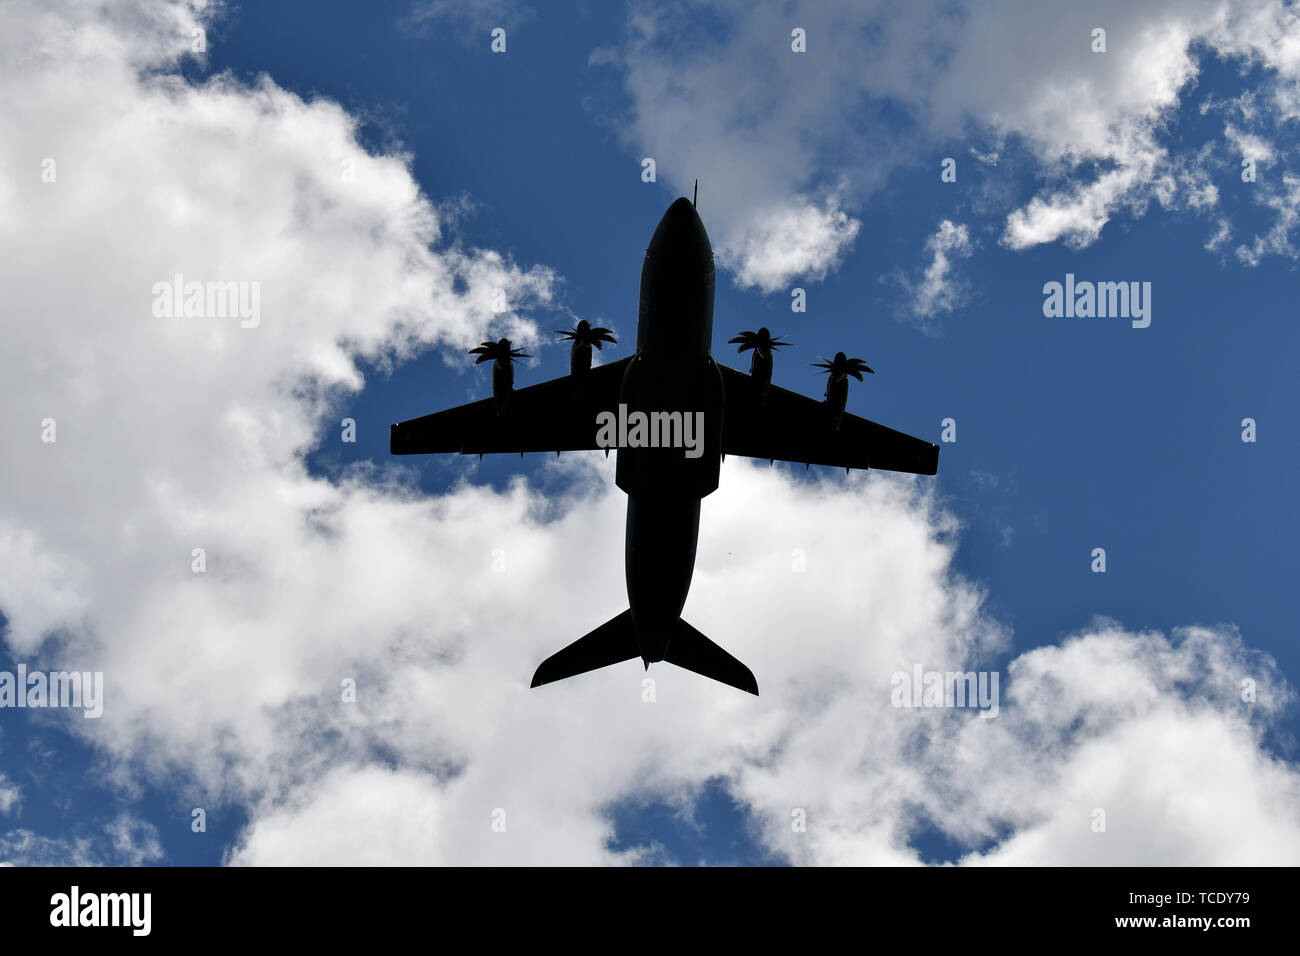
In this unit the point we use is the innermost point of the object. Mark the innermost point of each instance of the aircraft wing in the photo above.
(793, 427)
(542, 417)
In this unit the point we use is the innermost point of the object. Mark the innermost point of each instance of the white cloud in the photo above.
(801, 241)
(134, 841)
(1249, 146)
(881, 85)
(189, 432)
(123, 841)
(24, 848)
(1154, 733)
(476, 19)
(1222, 233)
(11, 795)
(1076, 215)
(174, 434)
(1284, 200)
(939, 289)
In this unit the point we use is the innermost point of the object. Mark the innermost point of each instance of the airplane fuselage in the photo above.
(673, 371)
(663, 409)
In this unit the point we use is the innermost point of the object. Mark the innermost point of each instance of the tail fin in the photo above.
(611, 643)
(695, 652)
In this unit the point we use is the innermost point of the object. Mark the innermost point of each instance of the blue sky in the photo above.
(1072, 434)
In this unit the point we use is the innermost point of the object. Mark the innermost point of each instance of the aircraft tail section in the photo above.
(615, 641)
(611, 643)
(695, 652)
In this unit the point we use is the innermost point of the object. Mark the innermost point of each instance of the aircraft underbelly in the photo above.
(679, 454)
(660, 561)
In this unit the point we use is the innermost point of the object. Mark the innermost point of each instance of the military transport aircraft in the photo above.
(673, 382)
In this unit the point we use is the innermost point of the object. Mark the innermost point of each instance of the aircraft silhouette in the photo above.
(673, 373)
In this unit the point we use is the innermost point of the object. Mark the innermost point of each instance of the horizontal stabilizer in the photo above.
(692, 650)
(611, 643)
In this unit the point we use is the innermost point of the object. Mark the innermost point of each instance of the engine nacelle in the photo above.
(584, 337)
(837, 386)
(760, 370)
(580, 359)
(502, 357)
(837, 396)
(503, 383)
(764, 344)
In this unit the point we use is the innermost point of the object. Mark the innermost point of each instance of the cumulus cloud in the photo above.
(801, 241)
(1076, 719)
(1284, 200)
(134, 841)
(22, 847)
(1077, 214)
(1083, 712)
(10, 795)
(123, 841)
(767, 129)
(451, 698)
(1249, 145)
(177, 433)
(939, 289)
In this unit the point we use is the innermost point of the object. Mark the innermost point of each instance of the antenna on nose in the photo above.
(696, 195)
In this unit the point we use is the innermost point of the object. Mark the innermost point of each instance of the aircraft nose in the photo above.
(681, 233)
(680, 209)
